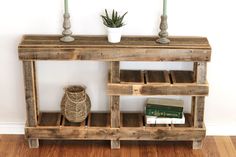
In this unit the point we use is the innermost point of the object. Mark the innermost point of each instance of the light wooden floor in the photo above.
(16, 146)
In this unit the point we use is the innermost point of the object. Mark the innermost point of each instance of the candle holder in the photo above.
(163, 34)
(67, 32)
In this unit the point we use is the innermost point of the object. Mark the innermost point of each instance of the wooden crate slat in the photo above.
(99, 120)
(132, 120)
(131, 76)
(49, 119)
(182, 76)
(157, 76)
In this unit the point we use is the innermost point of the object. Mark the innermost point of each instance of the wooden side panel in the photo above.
(30, 92)
(199, 101)
(115, 102)
(199, 111)
(31, 98)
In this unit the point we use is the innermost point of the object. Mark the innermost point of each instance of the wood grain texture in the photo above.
(49, 119)
(157, 89)
(115, 102)
(30, 92)
(129, 49)
(16, 146)
(225, 146)
(131, 76)
(157, 77)
(31, 98)
(180, 76)
(209, 148)
(124, 133)
(233, 139)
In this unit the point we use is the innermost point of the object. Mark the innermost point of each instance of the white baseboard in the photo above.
(212, 129)
(12, 128)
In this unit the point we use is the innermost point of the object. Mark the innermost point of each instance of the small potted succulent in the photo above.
(114, 25)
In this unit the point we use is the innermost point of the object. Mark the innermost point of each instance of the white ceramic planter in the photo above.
(114, 34)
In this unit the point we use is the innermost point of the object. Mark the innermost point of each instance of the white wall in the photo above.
(214, 19)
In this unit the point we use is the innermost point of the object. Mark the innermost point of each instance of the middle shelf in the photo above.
(156, 82)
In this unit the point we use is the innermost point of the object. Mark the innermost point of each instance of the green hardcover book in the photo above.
(165, 104)
(159, 107)
(163, 113)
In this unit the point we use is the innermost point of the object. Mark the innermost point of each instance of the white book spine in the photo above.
(155, 120)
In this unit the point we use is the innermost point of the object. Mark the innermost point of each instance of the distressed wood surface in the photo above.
(212, 147)
(131, 76)
(49, 119)
(124, 133)
(99, 120)
(157, 89)
(129, 49)
(30, 92)
(199, 101)
(132, 120)
(180, 76)
(115, 102)
(31, 98)
(157, 76)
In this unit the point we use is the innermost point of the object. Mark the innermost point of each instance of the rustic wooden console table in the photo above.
(116, 126)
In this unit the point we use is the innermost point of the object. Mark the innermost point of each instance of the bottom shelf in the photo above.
(97, 127)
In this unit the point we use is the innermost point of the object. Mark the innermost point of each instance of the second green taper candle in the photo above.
(66, 6)
(164, 7)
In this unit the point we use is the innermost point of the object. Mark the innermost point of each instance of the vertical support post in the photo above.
(31, 98)
(198, 102)
(115, 101)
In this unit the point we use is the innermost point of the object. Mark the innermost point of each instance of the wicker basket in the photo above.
(75, 104)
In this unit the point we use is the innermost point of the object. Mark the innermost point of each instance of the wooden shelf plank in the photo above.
(124, 133)
(129, 49)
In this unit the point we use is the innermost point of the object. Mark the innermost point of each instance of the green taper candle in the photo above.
(66, 6)
(164, 7)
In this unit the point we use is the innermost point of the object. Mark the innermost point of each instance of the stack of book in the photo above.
(164, 111)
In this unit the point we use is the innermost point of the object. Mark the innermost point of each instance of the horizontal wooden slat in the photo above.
(157, 89)
(124, 133)
(129, 49)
